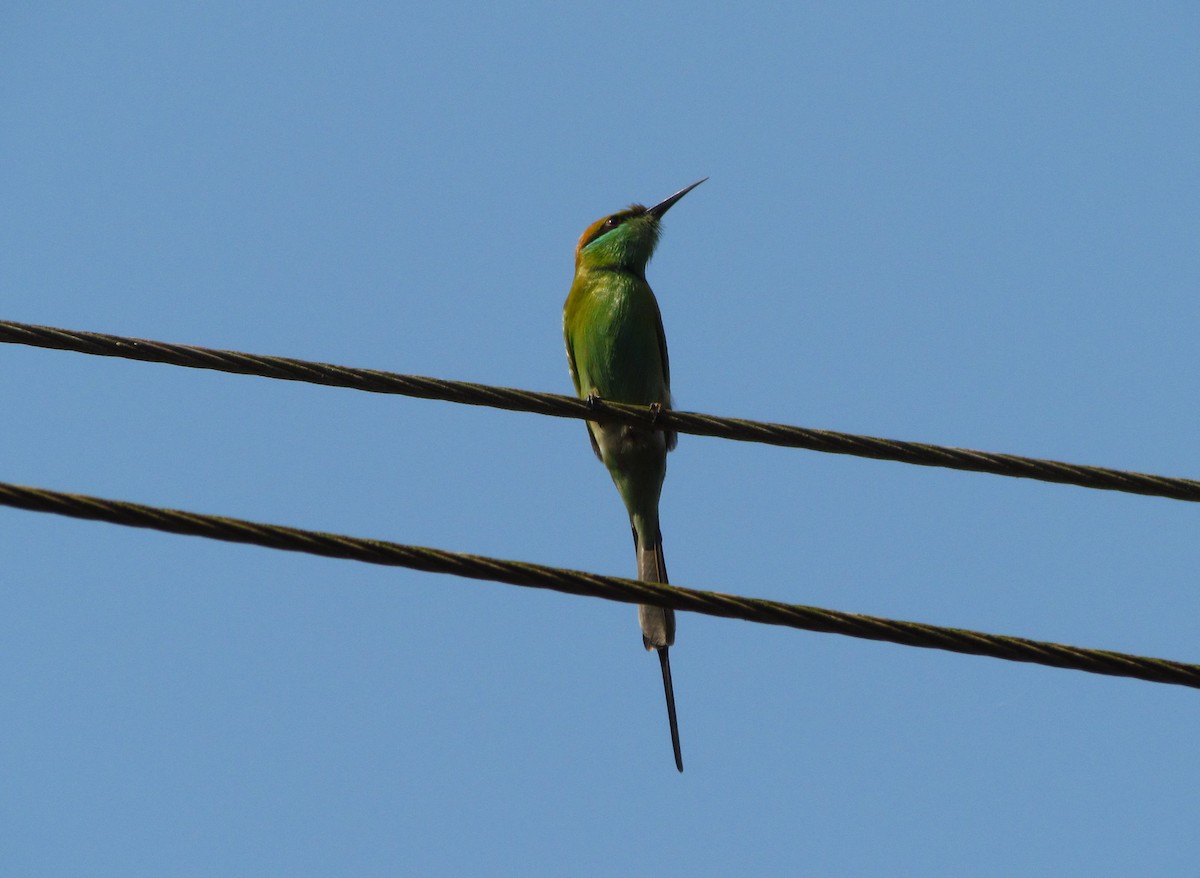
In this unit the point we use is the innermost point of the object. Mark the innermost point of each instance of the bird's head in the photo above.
(626, 239)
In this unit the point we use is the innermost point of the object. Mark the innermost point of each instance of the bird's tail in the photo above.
(658, 626)
(670, 690)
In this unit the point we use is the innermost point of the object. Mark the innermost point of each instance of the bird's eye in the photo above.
(611, 223)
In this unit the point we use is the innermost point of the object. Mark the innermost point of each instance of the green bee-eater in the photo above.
(616, 351)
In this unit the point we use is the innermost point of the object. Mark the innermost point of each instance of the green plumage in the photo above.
(616, 350)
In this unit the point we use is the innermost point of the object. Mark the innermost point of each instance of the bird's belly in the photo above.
(624, 443)
(636, 457)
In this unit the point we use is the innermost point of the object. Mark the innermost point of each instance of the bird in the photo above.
(617, 351)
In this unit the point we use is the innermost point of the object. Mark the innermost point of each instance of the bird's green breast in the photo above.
(614, 333)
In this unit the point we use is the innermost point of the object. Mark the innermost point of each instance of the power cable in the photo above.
(374, 381)
(710, 603)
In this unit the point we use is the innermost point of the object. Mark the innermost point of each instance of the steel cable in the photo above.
(375, 381)
(609, 588)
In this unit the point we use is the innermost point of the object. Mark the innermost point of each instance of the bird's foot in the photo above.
(593, 400)
(656, 411)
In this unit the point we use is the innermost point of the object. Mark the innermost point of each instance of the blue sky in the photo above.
(949, 223)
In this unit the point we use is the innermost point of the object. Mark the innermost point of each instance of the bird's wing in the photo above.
(571, 362)
(670, 435)
(575, 381)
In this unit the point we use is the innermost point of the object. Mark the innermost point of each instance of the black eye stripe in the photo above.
(607, 226)
(617, 219)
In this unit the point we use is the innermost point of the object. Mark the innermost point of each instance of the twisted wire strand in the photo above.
(575, 582)
(553, 404)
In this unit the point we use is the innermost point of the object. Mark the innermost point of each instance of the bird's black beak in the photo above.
(663, 206)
